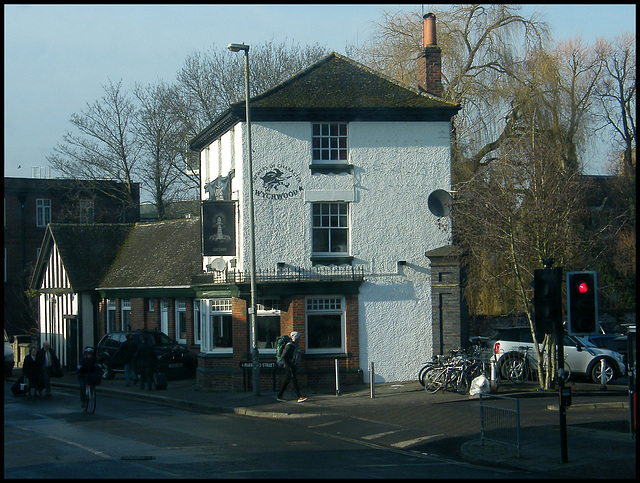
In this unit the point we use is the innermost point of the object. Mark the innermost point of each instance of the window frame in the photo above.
(111, 316)
(43, 212)
(181, 320)
(330, 229)
(323, 140)
(323, 306)
(125, 321)
(217, 309)
(267, 308)
(87, 212)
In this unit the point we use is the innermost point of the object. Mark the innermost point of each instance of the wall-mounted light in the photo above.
(280, 265)
(402, 263)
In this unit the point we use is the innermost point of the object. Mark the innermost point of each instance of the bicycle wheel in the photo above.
(517, 369)
(462, 387)
(433, 380)
(421, 374)
(91, 399)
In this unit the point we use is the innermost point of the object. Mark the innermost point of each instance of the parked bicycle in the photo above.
(453, 373)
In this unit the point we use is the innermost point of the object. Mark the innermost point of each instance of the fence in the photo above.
(500, 420)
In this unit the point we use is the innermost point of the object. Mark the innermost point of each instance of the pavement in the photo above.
(599, 441)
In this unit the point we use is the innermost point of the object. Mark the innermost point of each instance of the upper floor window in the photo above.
(86, 212)
(43, 212)
(330, 229)
(329, 143)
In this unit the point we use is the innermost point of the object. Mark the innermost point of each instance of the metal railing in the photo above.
(499, 422)
(319, 274)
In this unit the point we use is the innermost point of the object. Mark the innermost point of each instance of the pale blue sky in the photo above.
(56, 57)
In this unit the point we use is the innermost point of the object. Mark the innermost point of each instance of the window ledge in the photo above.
(332, 260)
(331, 168)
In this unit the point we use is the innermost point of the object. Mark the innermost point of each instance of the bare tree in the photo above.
(161, 132)
(105, 144)
(617, 96)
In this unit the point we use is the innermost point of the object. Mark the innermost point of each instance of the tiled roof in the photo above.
(87, 251)
(162, 254)
(335, 88)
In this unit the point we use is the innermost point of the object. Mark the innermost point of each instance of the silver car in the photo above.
(581, 357)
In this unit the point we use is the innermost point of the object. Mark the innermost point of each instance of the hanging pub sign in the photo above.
(218, 228)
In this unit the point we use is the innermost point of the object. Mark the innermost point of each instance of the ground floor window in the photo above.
(268, 324)
(325, 324)
(215, 325)
(111, 316)
(126, 314)
(181, 321)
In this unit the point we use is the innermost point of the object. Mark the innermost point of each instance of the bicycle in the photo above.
(90, 398)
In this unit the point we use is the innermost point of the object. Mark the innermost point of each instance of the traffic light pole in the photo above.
(562, 409)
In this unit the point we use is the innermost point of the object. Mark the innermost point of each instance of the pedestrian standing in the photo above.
(127, 352)
(145, 360)
(32, 371)
(290, 357)
(47, 360)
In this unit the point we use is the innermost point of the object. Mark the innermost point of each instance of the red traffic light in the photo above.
(583, 287)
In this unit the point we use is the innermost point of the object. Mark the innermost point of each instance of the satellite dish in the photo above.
(440, 202)
(218, 264)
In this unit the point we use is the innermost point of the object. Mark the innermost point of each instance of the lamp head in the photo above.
(238, 47)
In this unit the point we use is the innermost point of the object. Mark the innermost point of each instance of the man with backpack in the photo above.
(289, 358)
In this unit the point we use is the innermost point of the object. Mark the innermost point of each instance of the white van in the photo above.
(8, 356)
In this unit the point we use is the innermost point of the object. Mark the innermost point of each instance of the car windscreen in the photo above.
(160, 339)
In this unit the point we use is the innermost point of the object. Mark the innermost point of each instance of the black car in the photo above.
(172, 359)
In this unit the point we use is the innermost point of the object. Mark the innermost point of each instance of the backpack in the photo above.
(281, 342)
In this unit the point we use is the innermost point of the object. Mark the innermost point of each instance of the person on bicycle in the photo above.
(86, 366)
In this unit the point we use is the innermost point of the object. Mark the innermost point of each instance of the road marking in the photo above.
(380, 435)
(325, 424)
(411, 442)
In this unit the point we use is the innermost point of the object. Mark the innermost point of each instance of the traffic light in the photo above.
(582, 302)
(547, 299)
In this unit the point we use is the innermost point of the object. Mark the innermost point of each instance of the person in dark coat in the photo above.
(33, 371)
(47, 359)
(127, 352)
(145, 360)
(87, 366)
(290, 358)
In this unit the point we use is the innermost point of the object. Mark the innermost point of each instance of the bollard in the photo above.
(372, 381)
(338, 392)
(494, 376)
(603, 376)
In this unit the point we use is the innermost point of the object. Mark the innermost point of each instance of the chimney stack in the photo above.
(429, 61)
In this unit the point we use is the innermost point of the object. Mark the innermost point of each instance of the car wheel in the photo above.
(107, 371)
(609, 372)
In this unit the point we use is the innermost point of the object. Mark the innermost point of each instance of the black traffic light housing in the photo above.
(582, 302)
(547, 299)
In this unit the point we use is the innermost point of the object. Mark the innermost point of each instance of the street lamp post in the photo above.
(255, 355)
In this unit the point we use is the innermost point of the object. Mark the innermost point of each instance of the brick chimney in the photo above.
(429, 61)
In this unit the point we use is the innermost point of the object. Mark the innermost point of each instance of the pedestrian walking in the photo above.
(48, 362)
(126, 352)
(144, 360)
(290, 357)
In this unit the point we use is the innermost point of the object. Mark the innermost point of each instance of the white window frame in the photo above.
(43, 212)
(125, 309)
(329, 228)
(325, 304)
(268, 308)
(324, 143)
(181, 318)
(211, 309)
(111, 316)
(197, 322)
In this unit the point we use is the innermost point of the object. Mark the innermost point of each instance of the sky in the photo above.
(58, 57)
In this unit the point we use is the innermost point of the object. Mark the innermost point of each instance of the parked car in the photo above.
(8, 356)
(581, 356)
(172, 358)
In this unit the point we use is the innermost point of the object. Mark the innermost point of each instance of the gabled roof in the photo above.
(86, 251)
(162, 254)
(335, 88)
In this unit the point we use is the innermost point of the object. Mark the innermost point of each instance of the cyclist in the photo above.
(86, 366)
